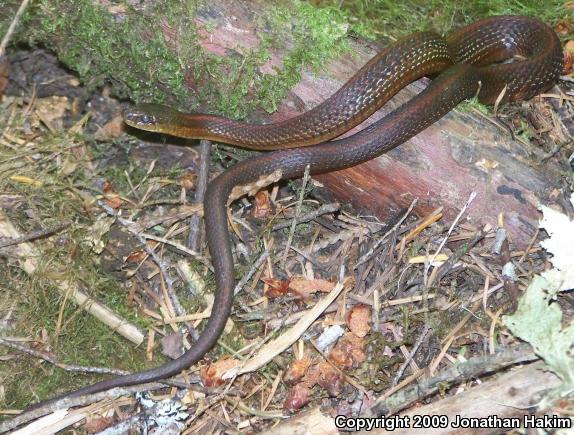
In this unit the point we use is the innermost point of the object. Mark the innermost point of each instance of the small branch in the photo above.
(28, 258)
(68, 402)
(35, 235)
(297, 213)
(324, 209)
(509, 277)
(163, 267)
(86, 369)
(134, 424)
(67, 367)
(412, 353)
(447, 266)
(445, 239)
(13, 26)
(179, 247)
(194, 239)
(369, 254)
(169, 218)
(251, 272)
(287, 338)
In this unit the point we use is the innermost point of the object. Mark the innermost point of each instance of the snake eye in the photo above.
(146, 119)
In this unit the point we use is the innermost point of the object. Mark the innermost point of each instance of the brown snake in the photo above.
(469, 63)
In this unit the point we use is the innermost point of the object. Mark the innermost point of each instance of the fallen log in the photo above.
(441, 166)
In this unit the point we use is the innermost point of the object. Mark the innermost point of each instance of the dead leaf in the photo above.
(349, 352)
(51, 111)
(110, 195)
(78, 127)
(73, 252)
(568, 57)
(311, 377)
(303, 288)
(330, 379)
(359, 320)
(253, 188)
(135, 257)
(171, 345)
(187, 180)
(22, 179)
(95, 425)
(111, 129)
(108, 187)
(275, 287)
(211, 375)
(68, 167)
(564, 27)
(114, 200)
(99, 229)
(262, 207)
(117, 9)
(297, 398)
(297, 370)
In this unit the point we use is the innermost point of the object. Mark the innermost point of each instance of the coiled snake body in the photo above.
(469, 63)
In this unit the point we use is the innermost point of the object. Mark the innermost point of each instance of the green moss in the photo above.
(100, 46)
(130, 53)
(388, 18)
(234, 84)
(525, 132)
(9, 8)
(35, 304)
(473, 103)
(120, 176)
(317, 35)
(82, 340)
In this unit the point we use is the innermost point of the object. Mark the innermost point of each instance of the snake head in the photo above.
(150, 117)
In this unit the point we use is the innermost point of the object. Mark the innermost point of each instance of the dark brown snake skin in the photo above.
(465, 59)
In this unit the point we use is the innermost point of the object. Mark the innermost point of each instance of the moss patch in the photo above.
(388, 18)
(35, 308)
(129, 51)
(82, 340)
(118, 50)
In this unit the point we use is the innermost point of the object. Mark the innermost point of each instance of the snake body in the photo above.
(469, 62)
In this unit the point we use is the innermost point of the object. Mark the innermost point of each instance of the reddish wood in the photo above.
(441, 166)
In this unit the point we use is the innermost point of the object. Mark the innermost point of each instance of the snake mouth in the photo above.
(149, 116)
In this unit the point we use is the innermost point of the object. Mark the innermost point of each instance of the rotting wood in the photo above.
(440, 166)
